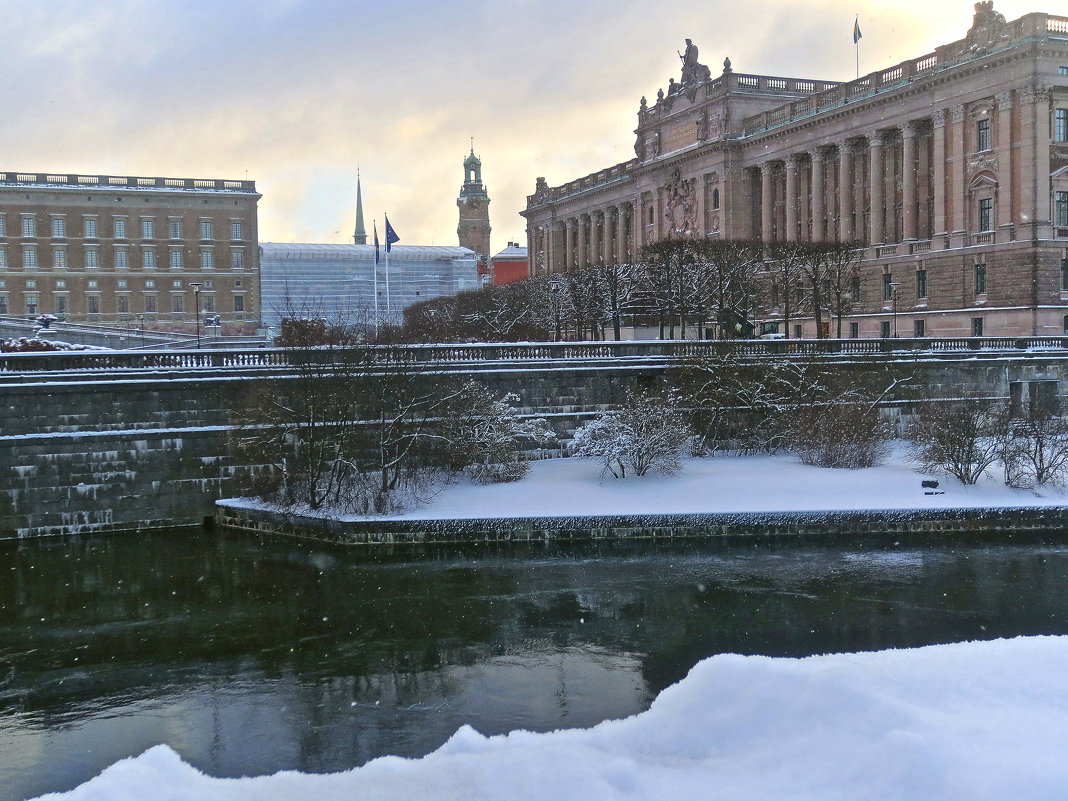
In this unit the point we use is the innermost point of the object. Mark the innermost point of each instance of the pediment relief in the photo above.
(984, 180)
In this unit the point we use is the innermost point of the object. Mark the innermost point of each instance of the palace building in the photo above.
(951, 169)
(118, 250)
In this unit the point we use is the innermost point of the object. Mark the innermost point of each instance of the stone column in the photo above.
(1006, 191)
(845, 192)
(938, 179)
(819, 181)
(958, 219)
(606, 232)
(791, 198)
(569, 243)
(878, 179)
(1035, 162)
(621, 233)
(581, 251)
(767, 204)
(908, 181)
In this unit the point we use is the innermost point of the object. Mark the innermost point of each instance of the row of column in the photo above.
(604, 236)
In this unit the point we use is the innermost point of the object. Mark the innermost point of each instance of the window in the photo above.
(176, 284)
(29, 226)
(59, 258)
(148, 229)
(1066, 325)
(3, 304)
(177, 304)
(239, 304)
(237, 259)
(3, 227)
(1060, 209)
(854, 330)
(93, 284)
(124, 304)
(205, 229)
(31, 285)
(798, 330)
(149, 284)
(980, 279)
(174, 229)
(884, 329)
(61, 284)
(31, 304)
(122, 259)
(854, 288)
(888, 286)
(29, 258)
(176, 259)
(150, 304)
(921, 283)
(919, 329)
(90, 228)
(3, 257)
(235, 230)
(59, 227)
(209, 303)
(120, 227)
(121, 284)
(1064, 275)
(986, 214)
(1060, 125)
(715, 198)
(650, 215)
(207, 260)
(61, 304)
(1062, 70)
(91, 258)
(977, 326)
(92, 304)
(148, 259)
(982, 134)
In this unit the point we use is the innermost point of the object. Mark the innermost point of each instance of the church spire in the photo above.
(360, 235)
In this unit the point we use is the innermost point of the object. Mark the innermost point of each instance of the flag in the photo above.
(856, 30)
(391, 236)
(375, 226)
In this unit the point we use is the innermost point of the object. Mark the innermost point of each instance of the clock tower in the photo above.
(473, 202)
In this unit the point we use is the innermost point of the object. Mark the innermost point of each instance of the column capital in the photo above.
(938, 119)
(911, 129)
(877, 138)
(1004, 100)
(957, 113)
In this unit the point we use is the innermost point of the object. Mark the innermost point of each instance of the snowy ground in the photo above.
(568, 487)
(972, 721)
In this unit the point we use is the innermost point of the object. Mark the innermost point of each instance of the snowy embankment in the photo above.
(970, 721)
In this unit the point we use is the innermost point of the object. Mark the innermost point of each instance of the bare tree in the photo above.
(785, 265)
(961, 437)
(843, 276)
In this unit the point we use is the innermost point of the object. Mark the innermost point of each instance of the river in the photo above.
(251, 657)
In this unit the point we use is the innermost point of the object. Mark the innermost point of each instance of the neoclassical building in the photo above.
(951, 168)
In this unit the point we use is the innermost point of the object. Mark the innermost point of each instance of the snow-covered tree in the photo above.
(962, 437)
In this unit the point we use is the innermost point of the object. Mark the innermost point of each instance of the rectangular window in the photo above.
(177, 304)
(61, 304)
(854, 330)
(31, 304)
(3, 227)
(980, 279)
(124, 304)
(59, 227)
(174, 229)
(91, 258)
(29, 226)
(977, 326)
(150, 283)
(176, 284)
(919, 329)
(884, 329)
(1062, 70)
(1066, 325)
(3, 257)
(92, 304)
(3, 304)
(29, 258)
(982, 134)
(176, 259)
(237, 259)
(207, 260)
(122, 260)
(986, 214)
(209, 303)
(150, 304)
(205, 229)
(61, 284)
(1060, 209)
(239, 306)
(1060, 125)
(93, 284)
(921, 283)
(121, 284)
(90, 228)
(120, 228)
(59, 258)
(888, 286)
(148, 259)
(148, 229)
(235, 231)
(1064, 275)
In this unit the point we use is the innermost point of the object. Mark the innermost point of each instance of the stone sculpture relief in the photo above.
(680, 206)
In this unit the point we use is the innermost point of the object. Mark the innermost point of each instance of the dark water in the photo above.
(248, 658)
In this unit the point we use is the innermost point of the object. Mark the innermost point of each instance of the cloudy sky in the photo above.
(295, 93)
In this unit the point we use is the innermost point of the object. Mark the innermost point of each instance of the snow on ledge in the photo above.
(978, 721)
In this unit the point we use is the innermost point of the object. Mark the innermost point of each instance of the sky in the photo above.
(295, 94)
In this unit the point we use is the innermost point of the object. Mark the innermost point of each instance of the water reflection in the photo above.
(249, 658)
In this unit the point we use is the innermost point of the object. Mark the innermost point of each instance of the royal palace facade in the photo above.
(951, 169)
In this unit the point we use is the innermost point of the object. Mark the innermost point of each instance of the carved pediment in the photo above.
(989, 29)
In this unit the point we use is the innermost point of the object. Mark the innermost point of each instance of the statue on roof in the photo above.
(693, 71)
(989, 28)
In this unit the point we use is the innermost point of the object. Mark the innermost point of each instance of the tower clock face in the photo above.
(474, 204)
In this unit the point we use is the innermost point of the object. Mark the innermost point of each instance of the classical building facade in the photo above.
(951, 169)
(130, 251)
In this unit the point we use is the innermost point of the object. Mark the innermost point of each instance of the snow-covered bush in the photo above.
(841, 433)
(647, 433)
(1035, 451)
(961, 437)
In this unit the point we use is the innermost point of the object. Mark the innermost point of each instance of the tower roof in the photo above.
(359, 237)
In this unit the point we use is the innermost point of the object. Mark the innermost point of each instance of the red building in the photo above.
(511, 264)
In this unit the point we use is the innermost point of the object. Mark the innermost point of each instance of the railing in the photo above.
(128, 181)
(489, 354)
(603, 177)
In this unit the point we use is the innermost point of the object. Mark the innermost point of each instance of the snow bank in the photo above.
(966, 721)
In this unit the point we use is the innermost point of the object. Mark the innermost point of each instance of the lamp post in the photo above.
(196, 299)
(141, 325)
(893, 299)
(555, 284)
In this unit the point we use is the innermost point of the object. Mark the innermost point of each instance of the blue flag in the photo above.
(391, 236)
(856, 30)
(375, 226)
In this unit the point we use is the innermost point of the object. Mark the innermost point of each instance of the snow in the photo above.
(970, 720)
(574, 487)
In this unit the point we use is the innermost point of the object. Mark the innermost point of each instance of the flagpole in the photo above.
(374, 274)
(389, 308)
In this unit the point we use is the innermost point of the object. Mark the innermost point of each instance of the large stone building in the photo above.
(130, 251)
(951, 168)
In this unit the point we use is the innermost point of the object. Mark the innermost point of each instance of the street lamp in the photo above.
(893, 298)
(555, 285)
(196, 299)
(141, 325)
